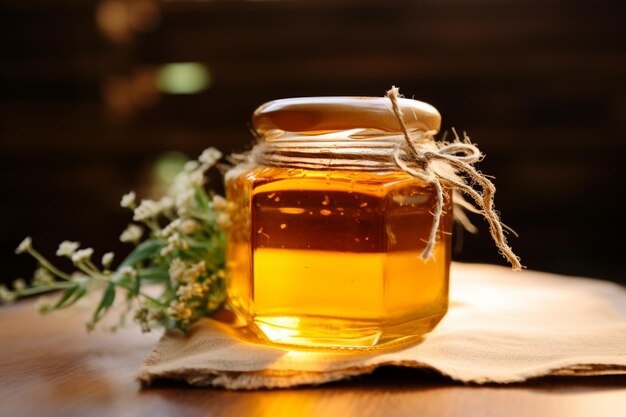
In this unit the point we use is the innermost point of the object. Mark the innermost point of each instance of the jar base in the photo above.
(315, 333)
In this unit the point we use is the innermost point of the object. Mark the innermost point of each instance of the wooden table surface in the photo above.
(49, 366)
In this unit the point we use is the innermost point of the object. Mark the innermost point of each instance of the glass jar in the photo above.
(327, 232)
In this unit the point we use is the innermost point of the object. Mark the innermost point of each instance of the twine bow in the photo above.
(421, 163)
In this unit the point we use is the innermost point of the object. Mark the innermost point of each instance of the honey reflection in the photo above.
(414, 398)
(120, 20)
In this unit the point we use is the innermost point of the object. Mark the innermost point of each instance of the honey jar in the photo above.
(325, 247)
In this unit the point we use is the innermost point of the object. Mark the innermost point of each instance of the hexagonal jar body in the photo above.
(327, 253)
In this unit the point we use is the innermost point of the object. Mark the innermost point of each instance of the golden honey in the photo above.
(332, 257)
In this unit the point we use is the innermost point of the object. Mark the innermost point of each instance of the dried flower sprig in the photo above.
(172, 278)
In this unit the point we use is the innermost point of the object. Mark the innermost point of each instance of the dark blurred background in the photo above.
(93, 93)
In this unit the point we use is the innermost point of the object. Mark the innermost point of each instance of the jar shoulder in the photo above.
(258, 175)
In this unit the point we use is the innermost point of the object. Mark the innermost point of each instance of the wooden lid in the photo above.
(327, 114)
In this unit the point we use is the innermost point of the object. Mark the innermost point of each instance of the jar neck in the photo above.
(356, 149)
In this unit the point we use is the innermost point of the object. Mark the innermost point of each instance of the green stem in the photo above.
(83, 267)
(201, 216)
(154, 300)
(46, 264)
(169, 214)
(129, 288)
(45, 288)
(93, 267)
(153, 226)
(100, 277)
(148, 298)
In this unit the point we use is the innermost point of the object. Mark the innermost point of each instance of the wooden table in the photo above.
(49, 366)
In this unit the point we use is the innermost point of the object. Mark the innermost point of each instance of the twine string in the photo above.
(460, 157)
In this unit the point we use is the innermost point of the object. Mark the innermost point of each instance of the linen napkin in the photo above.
(502, 327)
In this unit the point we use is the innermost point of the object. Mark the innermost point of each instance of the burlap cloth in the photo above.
(501, 327)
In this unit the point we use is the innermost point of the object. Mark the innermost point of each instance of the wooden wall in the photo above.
(539, 85)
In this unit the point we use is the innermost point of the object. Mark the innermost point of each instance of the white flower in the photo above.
(189, 226)
(19, 285)
(179, 311)
(82, 255)
(26, 244)
(146, 210)
(197, 178)
(128, 200)
(167, 250)
(166, 203)
(181, 274)
(177, 271)
(43, 277)
(67, 248)
(155, 315)
(200, 267)
(128, 271)
(171, 228)
(210, 156)
(6, 295)
(181, 183)
(175, 240)
(223, 221)
(107, 259)
(43, 306)
(219, 202)
(132, 234)
(185, 292)
(185, 200)
(190, 166)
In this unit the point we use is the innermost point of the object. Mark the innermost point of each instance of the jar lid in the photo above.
(329, 114)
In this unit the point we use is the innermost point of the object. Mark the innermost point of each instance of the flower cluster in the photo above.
(171, 278)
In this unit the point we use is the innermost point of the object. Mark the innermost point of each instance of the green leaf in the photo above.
(136, 286)
(202, 199)
(153, 274)
(82, 290)
(65, 297)
(124, 280)
(70, 296)
(145, 250)
(107, 301)
(194, 243)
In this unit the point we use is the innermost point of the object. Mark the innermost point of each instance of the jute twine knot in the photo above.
(441, 166)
